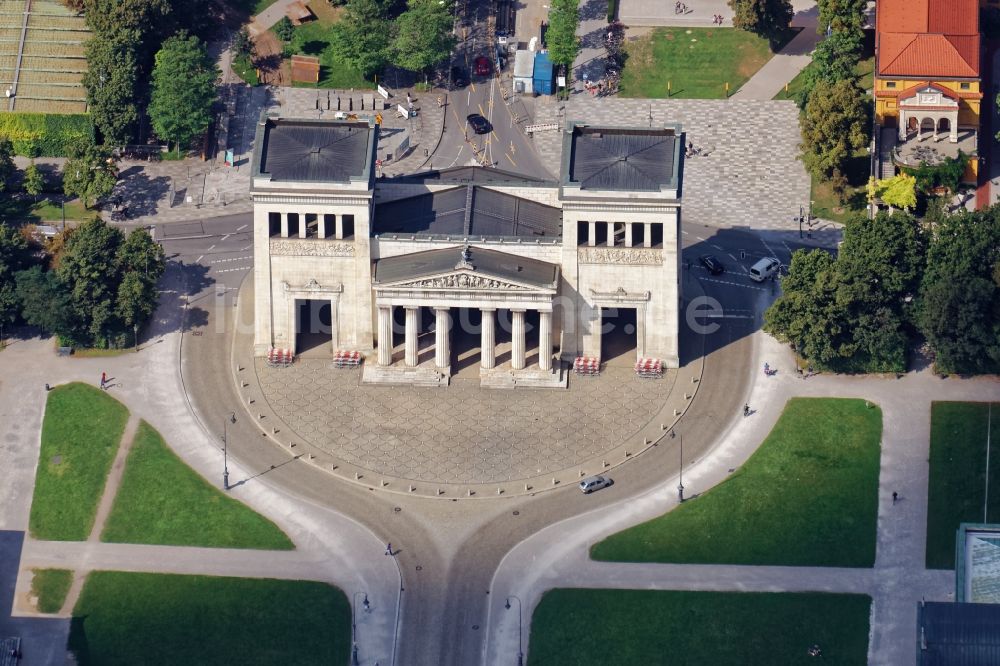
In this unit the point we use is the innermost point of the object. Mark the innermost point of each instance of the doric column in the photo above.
(412, 331)
(628, 234)
(321, 230)
(385, 335)
(591, 233)
(339, 227)
(284, 225)
(517, 341)
(545, 340)
(647, 235)
(611, 234)
(442, 324)
(302, 225)
(488, 340)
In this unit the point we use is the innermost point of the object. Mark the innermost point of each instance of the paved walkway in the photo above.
(786, 63)
(330, 546)
(558, 556)
(269, 17)
(698, 13)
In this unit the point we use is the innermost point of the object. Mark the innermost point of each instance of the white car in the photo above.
(764, 269)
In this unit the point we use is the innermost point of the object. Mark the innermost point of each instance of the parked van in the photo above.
(764, 269)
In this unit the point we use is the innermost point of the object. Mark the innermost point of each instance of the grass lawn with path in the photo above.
(26, 209)
(138, 618)
(50, 586)
(80, 436)
(698, 62)
(807, 497)
(957, 484)
(585, 626)
(163, 501)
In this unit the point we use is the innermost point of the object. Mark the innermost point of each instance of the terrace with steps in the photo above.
(48, 39)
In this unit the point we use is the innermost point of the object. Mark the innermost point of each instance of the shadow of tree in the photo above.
(138, 192)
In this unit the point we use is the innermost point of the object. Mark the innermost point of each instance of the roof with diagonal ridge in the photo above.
(315, 151)
(928, 38)
(622, 159)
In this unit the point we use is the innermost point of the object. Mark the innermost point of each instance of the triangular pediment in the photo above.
(462, 279)
(928, 95)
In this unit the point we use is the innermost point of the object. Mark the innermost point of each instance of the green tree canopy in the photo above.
(34, 180)
(423, 35)
(564, 19)
(363, 36)
(183, 90)
(960, 292)
(15, 255)
(89, 173)
(110, 82)
(7, 166)
(835, 125)
(766, 18)
(850, 314)
(284, 30)
(44, 302)
(900, 191)
(842, 15)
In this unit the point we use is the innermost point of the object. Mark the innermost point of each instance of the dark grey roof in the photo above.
(958, 634)
(468, 211)
(622, 159)
(487, 263)
(303, 150)
(471, 174)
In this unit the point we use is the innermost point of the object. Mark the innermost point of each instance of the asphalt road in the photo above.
(450, 549)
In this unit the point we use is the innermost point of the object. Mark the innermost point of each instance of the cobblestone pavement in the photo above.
(463, 433)
(748, 174)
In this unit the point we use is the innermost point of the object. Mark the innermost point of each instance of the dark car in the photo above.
(459, 77)
(483, 66)
(714, 266)
(478, 123)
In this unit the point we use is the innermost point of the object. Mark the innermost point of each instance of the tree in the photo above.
(841, 15)
(34, 180)
(242, 44)
(362, 37)
(834, 127)
(90, 173)
(899, 191)
(15, 256)
(44, 302)
(766, 18)
(564, 19)
(423, 38)
(183, 90)
(837, 56)
(7, 166)
(284, 30)
(960, 293)
(110, 82)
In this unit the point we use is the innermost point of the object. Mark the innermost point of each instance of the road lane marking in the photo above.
(511, 159)
(731, 284)
(199, 259)
(241, 228)
(211, 248)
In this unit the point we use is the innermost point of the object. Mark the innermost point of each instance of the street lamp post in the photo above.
(680, 472)
(225, 450)
(520, 641)
(135, 331)
(354, 625)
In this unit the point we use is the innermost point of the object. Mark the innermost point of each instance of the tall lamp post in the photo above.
(520, 642)
(354, 625)
(680, 472)
(225, 449)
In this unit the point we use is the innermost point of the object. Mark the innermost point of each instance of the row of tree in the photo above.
(131, 41)
(897, 281)
(92, 286)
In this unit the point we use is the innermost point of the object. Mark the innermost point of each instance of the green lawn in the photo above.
(163, 501)
(25, 209)
(313, 39)
(825, 203)
(80, 436)
(697, 62)
(957, 484)
(129, 619)
(807, 497)
(50, 587)
(583, 626)
(245, 70)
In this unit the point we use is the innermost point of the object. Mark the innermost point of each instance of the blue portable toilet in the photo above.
(542, 80)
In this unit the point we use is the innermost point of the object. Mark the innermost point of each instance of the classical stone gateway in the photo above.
(543, 270)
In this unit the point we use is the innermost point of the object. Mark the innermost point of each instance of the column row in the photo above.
(620, 234)
(311, 225)
(442, 328)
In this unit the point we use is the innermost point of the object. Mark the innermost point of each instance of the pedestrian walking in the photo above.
(104, 379)
(388, 548)
(895, 496)
(746, 410)
(677, 7)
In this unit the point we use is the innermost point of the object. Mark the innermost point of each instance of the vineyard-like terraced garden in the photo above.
(53, 59)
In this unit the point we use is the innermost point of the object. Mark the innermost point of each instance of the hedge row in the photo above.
(45, 134)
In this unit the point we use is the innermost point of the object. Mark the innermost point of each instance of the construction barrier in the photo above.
(280, 358)
(347, 359)
(649, 368)
(587, 365)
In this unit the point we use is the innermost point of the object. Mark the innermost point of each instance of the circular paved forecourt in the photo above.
(461, 434)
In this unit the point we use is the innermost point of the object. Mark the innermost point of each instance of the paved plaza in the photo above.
(462, 434)
(748, 173)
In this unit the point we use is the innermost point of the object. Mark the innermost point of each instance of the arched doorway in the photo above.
(927, 126)
(944, 126)
(911, 126)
